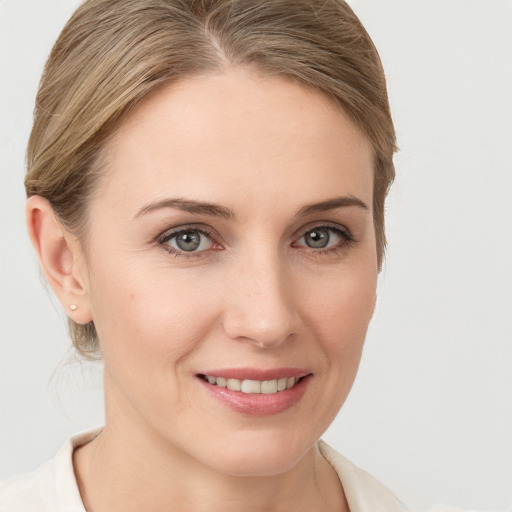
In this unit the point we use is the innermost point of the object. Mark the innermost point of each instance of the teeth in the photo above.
(265, 387)
(269, 386)
(251, 386)
(234, 384)
(281, 384)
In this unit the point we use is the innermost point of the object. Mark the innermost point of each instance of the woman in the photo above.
(206, 185)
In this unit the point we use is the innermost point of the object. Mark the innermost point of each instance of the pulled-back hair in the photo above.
(112, 53)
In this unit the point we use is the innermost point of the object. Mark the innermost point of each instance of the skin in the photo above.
(254, 294)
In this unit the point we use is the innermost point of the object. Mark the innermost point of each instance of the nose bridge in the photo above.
(261, 309)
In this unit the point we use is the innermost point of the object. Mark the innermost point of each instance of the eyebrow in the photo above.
(216, 210)
(332, 204)
(188, 205)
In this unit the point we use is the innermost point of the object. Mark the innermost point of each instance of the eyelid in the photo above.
(341, 230)
(162, 239)
(347, 238)
(201, 228)
(326, 225)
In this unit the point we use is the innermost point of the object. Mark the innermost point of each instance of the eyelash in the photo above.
(168, 235)
(347, 239)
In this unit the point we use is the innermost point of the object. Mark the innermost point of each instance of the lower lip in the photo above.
(258, 404)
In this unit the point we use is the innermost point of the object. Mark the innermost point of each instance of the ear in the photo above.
(61, 258)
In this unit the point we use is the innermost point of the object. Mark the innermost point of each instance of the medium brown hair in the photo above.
(112, 53)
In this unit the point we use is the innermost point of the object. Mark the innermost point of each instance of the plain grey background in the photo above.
(430, 413)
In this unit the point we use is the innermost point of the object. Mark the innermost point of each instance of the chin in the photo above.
(259, 454)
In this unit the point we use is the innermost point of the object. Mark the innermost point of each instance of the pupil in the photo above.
(188, 241)
(317, 239)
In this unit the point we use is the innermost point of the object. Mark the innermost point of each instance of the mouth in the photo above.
(257, 392)
(253, 387)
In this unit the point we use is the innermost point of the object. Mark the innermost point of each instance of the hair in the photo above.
(112, 53)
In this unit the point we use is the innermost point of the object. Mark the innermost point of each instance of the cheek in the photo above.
(340, 315)
(347, 295)
(149, 318)
(149, 324)
(338, 318)
(351, 307)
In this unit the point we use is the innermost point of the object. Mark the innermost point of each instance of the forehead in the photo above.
(237, 134)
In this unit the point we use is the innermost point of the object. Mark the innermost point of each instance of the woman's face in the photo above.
(231, 243)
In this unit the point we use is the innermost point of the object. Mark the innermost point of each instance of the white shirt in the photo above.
(53, 487)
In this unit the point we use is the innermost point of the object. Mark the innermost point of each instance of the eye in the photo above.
(189, 240)
(324, 237)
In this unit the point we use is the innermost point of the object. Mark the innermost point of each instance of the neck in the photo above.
(130, 473)
(130, 467)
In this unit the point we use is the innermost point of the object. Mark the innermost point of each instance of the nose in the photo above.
(261, 308)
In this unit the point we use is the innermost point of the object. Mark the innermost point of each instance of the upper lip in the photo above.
(256, 373)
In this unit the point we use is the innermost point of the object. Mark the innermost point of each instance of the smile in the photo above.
(252, 387)
(256, 391)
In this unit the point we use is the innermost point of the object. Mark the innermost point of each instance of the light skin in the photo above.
(260, 172)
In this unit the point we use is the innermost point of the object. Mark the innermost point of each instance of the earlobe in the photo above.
(60, 257)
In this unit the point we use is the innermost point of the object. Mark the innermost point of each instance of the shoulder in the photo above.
(364, 492)
(31, 491)
(50, 488)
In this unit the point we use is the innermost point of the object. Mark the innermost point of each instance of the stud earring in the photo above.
(73, 307)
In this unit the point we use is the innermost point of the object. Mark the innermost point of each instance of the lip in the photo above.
(258, 404)
(256, 373)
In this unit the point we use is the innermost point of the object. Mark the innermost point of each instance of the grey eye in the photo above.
(324, 237)
(189, 240)
(317, 238)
